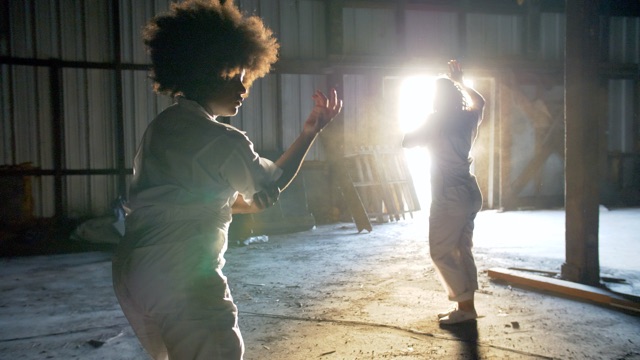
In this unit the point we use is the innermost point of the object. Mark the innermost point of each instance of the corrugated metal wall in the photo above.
(552, 35)
(81, 34)
(624, 47)
(369, 31)
(87, 98)
(278, 104)
(85, 59)
(432, 34)
(623, 125)
(621, 112)
(624, 40)
(491, 36)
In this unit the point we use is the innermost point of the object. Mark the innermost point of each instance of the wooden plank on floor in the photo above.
(563, 287)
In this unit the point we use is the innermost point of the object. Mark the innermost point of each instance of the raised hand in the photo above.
(455, 71)
(324, 110)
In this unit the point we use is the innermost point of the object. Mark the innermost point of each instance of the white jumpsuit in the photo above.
(455, 198)
(167, 271)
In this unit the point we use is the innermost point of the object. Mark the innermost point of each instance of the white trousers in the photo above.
(453, 210)
(175, 296)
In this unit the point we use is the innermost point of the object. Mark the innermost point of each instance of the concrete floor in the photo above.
(331, 293)
(540, 234)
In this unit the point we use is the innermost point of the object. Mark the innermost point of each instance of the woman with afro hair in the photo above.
(449, 134)
(192, 172)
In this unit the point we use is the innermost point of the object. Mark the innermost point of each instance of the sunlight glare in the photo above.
(415, 102)
(414, 105)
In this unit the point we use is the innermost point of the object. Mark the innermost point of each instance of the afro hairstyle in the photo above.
(199, 44)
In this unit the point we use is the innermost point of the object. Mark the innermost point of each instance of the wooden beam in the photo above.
(566, 288)
(332, 139)
(551, 142)
(582, 132)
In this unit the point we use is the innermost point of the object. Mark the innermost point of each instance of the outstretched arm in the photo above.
(324, 110)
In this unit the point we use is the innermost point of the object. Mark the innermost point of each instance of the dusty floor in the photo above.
(331, 293)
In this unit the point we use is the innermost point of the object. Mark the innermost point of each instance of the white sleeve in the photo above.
(247, 172)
